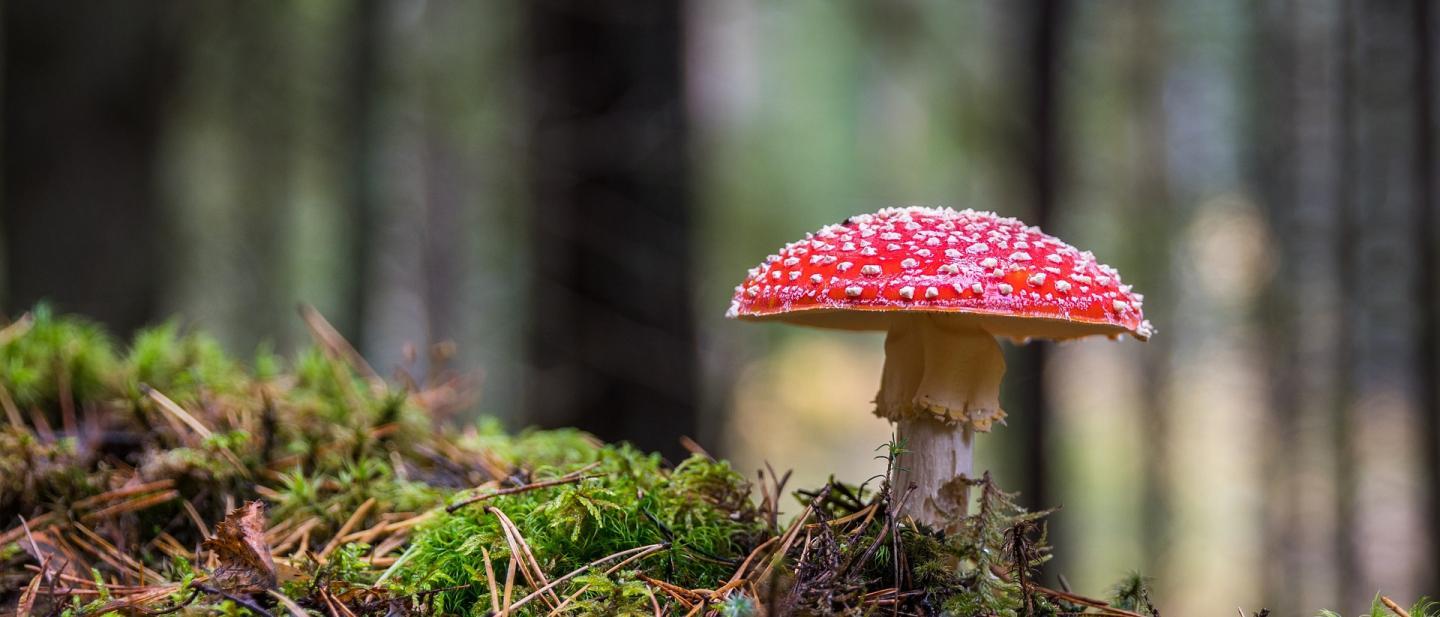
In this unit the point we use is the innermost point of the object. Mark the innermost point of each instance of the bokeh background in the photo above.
(568, 191)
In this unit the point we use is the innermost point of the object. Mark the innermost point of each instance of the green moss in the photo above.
(620, 594)
(181, 366)
(701, 509)
(54, 351)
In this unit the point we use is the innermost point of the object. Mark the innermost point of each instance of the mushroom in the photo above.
(942, 284)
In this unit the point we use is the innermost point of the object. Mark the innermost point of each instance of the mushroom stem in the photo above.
(938, 458)
(941, 384)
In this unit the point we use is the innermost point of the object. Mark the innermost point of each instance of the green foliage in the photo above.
(54, 352)
(348, 565)
(1132, 593)
(619, 595)
(32, 471)
(701, 509)
(1424, 607)
(984, 567)
(983, 549)
(339, 435)
(181, 366)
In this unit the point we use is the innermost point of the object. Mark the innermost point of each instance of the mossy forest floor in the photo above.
(164, 477)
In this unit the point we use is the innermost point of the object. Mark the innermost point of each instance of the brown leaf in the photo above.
(244, 555)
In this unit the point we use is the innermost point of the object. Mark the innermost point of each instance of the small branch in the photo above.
(350, 523)
(123, 493)
(572, 477)
(1090, 602)
(1394, 608)
(133, 505)
(490, 581)
(174, 409)
(333, 342)
(694, 447)
(529, 566)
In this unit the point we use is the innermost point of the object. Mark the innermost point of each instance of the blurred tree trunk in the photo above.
(85, 95)
(1153, 211)
(362, 128)
(1347, 268)
(1297, 155)
(612, 344)
(262, 100)
(1427, 241)
(1031, 416)
(1381, 530)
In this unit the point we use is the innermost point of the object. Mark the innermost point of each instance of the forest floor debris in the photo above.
(168, 478)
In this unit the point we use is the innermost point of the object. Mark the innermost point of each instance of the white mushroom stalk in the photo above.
(941, 384)
(943, 285)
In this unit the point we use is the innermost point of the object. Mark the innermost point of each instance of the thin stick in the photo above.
(12, 411)
(39, 522)
(609, 571)
(112, 555)
(574, 476)
(490, 581)
(740, 573)
(681, 594)
(790, 536)
(694, 447)
(179, 412)
(332, 341)
(1394, 608)
(509, 581)
(1091, 602)
(696, 611)
(121, 493)
(174, 409)
(329, 605)
(134, 505)
(195, 517)
(653, 602)
(45, 564)
(639, 552)
(529, 566)
(67, 402)
(350, 523)
(726, 588)
(283, 600)
(42, 426)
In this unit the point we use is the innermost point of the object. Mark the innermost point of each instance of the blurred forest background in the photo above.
(569, 191)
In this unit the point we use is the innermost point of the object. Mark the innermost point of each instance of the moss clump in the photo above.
(701, 511)
(57, 358)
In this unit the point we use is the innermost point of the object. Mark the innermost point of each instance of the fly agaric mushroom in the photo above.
(943, 285)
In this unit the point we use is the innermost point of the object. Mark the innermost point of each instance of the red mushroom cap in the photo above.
(1010, 279)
